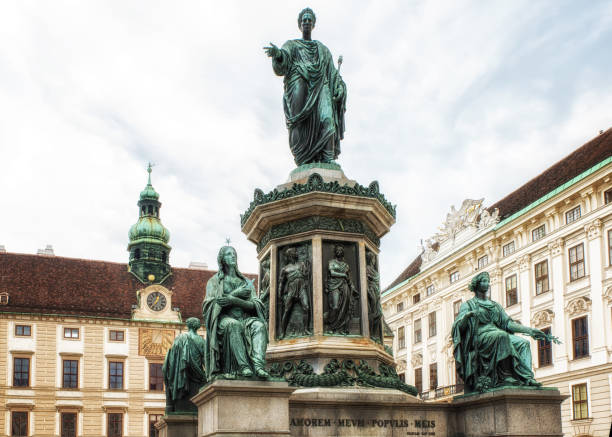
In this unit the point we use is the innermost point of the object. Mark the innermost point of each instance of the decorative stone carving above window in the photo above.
(542, 318)
(578, 306)
(523, 263)
(593, 229)
(417, 359)
(401, 365)
(607, 295)
(556, 247)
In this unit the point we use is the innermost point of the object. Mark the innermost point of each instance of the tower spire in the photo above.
(148, 246)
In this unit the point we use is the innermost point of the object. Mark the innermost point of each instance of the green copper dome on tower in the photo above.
(148, 247)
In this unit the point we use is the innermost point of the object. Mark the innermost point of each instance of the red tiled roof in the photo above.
(58, 285)
(580, 160)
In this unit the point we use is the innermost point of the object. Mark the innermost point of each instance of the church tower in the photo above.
(148, 246)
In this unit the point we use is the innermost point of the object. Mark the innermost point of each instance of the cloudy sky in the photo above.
(446, 101)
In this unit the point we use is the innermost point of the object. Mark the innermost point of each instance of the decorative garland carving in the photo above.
(417, 359)
(593, 229)
(542, 318)
(578, 305)
(556, 247)
(315, 183)
(344, 374)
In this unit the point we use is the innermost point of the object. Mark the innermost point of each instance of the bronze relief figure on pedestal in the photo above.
(295, 292)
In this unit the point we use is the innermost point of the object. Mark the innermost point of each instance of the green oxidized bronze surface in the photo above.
(315, 183)
(487, 353)
(344, 373)
(321, 223)
(183, 370)
(315, 95)
(341, 295)
(375, 312)
(295, 291)
(235, 321)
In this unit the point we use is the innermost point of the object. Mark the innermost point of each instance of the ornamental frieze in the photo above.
(542, 318)
(578, 306)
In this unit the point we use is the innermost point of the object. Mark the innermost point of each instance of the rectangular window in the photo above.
(71, 333)
(21, 372)
(399, 307)
(19, 423)
(432, 325)
(580, 336)
(508, 249)
(417, 331)
(418, 379)
(115, 375)
(416, 298)
(402, 377)
(23, 331)
(156, 379)
(115, 424)
(544, 351)
(70, 377)
(433, 376)
(538, 233)
(430, 290)
(580, 401)
(153, 419)
(511, 291)
(456, 307)
(610, 247)
(607, 196)
(401, 338)
(483, 261)
(572, 215)
(114, 335)
(541, 277)
(576, 262)
(69, 425)
(454, 277)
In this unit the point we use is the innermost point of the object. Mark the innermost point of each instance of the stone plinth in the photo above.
(178, 425)
(364, 412)
(509, 412)
(243, 408)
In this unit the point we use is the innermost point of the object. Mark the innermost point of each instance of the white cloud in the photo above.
(446, 101)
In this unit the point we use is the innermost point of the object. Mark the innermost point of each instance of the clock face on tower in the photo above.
(156, 301)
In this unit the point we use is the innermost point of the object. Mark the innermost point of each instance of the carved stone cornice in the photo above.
(417, 359)
(542, 318)
(524, 263)
(578, 306)
(593, 229)
(556, 247)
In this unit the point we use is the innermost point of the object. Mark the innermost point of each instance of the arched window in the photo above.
(150, 209)
(137, 254)
(164, 256)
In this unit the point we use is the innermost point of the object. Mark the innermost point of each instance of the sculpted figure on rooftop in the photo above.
(315, 95)
(487, 352)
(183, 369)
(235, 323)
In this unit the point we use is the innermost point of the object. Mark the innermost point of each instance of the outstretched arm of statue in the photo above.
(280, 59)
(273, 51)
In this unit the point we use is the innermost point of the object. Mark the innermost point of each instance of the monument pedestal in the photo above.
(509, 412)
(243, 408)
(360, 411)
(178, 425)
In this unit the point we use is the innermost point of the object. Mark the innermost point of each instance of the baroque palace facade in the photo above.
(548, 249)
(83, 341)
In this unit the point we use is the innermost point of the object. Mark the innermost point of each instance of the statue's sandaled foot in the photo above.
(246, 372)
(261, 373)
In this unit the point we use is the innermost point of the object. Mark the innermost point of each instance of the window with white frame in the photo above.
(572, 215)
(511, 291)
(508, 249)
(399, 307)
(576, 262)
(430, 290)
(541, 277)
(538, 233)
(580, 401)
(417, 331)
(401, 338)
(483, 261)
(454, 276)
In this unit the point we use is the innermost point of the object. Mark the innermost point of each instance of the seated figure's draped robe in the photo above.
(315, 121)
(182, 369)
(235, 338)
(486, 347)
